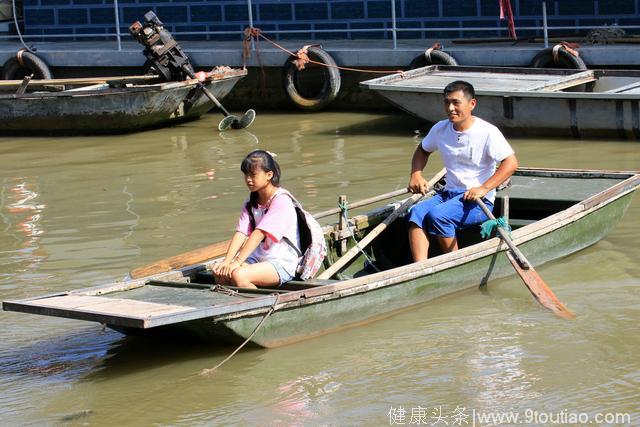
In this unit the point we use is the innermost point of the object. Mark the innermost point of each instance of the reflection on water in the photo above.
(82, 211)
(22, 213)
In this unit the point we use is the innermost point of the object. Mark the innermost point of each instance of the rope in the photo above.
(487, 227)
(344, 210)
(15, 22)
(226, 291)
(271, 310)
(246, 52)
(571, 48)
(19, 57)
(427, 53)
(252, 32)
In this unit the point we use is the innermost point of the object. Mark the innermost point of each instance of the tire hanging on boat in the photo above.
(432, 56)
(25, 63)
(302, 97)
(557, 57)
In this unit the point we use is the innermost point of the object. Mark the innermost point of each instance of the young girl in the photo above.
(264, 250)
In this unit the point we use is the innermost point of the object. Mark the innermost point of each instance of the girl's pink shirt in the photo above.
(279, 221)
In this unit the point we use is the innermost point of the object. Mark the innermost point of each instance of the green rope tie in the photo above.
(487, 227)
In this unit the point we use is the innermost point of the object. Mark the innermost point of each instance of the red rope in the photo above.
(507, 13)
(301, 54)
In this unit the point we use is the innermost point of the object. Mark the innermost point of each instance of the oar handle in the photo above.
(505, 237)
(361, 203)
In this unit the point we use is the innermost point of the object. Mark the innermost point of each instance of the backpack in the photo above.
(313, 247)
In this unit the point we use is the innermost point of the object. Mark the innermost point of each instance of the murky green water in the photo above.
(85, 210)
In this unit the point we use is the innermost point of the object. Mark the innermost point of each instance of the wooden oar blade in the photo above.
(178, 261)
(540, 290)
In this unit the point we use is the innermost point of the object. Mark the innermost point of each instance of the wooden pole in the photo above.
(79, 81)
(362, 202)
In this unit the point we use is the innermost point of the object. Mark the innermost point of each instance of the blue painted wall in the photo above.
(309, 18)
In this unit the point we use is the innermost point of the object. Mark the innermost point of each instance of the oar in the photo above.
(229, 119)
(377, 230)
(528, 274)
(182, 260)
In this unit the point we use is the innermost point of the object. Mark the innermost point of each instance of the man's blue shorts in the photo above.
(446, 212)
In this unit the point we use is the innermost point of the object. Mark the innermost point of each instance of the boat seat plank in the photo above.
(565, 82)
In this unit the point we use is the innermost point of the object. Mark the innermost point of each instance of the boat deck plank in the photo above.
(109, 306)
(479, 80)
(169, 295)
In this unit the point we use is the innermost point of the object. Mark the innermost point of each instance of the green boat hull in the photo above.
(298, 323)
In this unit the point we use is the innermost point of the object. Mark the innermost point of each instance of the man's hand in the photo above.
(475, 193)
(417, 184)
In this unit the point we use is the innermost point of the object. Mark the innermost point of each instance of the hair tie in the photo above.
(271, 154)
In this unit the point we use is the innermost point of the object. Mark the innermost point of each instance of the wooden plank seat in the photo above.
(206, 277)
(565, 82)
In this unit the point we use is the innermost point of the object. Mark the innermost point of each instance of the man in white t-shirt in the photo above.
(471, 148)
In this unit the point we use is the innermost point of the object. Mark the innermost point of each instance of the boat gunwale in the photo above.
(134, 88)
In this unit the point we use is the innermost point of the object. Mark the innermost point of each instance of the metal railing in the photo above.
(394, 30)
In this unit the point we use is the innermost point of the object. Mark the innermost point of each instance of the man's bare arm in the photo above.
(507, 167)
(417, 183)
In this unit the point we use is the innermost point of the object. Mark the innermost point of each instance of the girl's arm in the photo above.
(237, 241)
(250, 245)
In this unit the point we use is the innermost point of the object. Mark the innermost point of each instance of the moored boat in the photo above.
(554, 213)
(526, 101)
(107, 105)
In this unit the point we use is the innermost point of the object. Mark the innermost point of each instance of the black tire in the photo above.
(12, 70)
(438, 57)
(545, 59)
(301, 96)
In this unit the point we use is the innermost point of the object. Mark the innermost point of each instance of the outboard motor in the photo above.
(164, 56)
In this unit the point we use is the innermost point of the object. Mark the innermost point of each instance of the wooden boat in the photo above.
(553, 212)
(526, 101)
(106, 105)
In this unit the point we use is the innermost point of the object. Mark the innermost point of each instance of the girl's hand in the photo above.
(226, 267)
(219, 267)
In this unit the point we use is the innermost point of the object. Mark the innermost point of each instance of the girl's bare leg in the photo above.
(261, 274)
